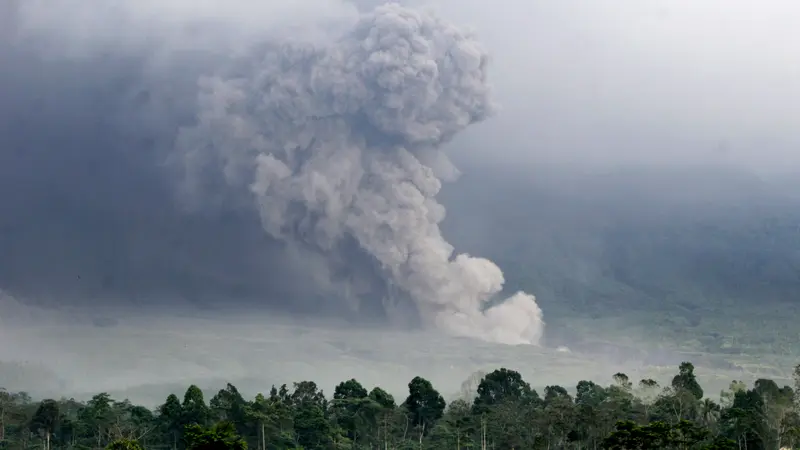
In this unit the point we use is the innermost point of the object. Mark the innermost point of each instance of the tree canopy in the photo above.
(503, 412)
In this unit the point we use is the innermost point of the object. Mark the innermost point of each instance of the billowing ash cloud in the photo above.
(334, 142)
(330, 141)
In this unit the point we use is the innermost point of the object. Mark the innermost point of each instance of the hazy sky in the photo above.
(579, 82)
(640, 80)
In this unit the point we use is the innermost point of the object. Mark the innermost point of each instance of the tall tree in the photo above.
(194, 408)
(170, 419)
(311, 425)
(228, 404)
(776, 407)
(424, 403)
(647, 393)
(45, 421)
(6, 402)
(687, 381)
(352, 408)
(558, 416)
(98, 415)
(500, 386)
(590, 399)
(384, 415)
(273, 420)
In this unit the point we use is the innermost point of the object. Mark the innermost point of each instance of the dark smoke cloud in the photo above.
(87, 204)
(330, 143)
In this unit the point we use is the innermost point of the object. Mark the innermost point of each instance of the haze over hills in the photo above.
(625, 271)
(651, 228)
(600, 244)
(252, 191)
(681, 251)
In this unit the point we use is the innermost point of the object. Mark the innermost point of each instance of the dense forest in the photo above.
(497, 410)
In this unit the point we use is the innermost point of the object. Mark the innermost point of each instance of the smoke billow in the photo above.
(336, 143)
(328, 142)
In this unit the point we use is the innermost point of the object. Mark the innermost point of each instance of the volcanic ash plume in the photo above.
(330, 142)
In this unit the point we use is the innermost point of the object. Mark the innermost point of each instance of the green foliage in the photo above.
(504, 413)
(424, 403)
(687, 381)
(661, 435)
(194, 409)
(124, 444)
(502, 386)
(221, 436)
(46, 417)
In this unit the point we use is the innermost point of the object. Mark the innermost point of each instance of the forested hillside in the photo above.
(498, 410)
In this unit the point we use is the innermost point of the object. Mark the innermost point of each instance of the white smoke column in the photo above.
(329, 140)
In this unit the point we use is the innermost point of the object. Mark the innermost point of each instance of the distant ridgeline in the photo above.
(649, 239)
(499, 410)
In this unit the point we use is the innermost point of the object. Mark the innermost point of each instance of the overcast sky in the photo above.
(579, 80)
(640, 80)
